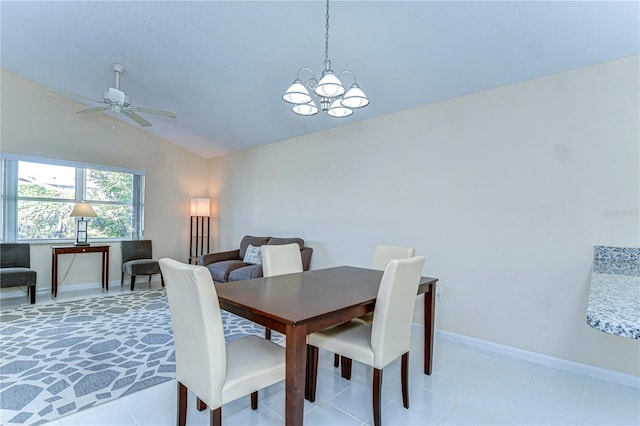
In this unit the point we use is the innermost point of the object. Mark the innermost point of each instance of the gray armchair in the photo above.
(137, 259)
(15, 264)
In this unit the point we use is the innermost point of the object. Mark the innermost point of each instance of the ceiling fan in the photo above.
(116, 100)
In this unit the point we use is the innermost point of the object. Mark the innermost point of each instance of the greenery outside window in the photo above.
(39, 194)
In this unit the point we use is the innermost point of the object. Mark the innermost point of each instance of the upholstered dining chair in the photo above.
(280, 260)
(382, 255)
(378, 343)
(137, 259)
(215, 371)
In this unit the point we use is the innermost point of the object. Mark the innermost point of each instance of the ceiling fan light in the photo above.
(338, 111)
(297, 94)
(329, 85)
(355, 98)
(309, 108)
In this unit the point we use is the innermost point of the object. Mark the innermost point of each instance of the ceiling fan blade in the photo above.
(156, 111)
(135, 117)
(74, 95)
(92, 110)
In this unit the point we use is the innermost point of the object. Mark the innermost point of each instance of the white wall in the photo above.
(505, 192)
(40, 123)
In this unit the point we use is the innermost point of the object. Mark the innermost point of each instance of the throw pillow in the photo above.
(253, 255)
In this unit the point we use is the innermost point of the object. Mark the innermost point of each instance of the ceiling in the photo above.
(223, 66)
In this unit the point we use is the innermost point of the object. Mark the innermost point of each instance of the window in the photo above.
(39, 194)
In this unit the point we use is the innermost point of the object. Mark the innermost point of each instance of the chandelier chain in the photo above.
(326, 38)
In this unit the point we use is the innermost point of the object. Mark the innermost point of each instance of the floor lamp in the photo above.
(200, 210)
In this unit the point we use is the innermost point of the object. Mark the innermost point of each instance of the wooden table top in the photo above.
(301, 297)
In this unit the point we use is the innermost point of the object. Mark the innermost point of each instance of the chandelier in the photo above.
(329, 91)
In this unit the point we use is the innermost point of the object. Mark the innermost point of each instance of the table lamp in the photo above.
(82, 210)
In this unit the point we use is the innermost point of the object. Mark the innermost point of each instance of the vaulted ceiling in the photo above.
(223, 66)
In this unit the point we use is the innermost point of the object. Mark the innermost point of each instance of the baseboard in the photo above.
(549, 361)
(62, 288)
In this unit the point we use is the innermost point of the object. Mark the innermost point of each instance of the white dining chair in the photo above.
(378, 343)
(382, 255)
(280, 260)
(215, 371)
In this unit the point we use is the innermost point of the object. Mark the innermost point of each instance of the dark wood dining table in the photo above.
(302, 303)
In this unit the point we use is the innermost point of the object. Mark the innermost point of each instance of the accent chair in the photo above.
(15, 268)
(137, 259)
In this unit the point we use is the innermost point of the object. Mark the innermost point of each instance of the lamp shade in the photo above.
(329, 85)
(83, 210)
(297, 93)
(338, 110)
(309, 108)
(201, 207)
(355, 98)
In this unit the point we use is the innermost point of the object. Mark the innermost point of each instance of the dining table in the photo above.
(299, 304)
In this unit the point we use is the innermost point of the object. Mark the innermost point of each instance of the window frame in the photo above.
(9, 195)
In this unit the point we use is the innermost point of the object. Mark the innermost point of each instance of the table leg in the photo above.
(54, 274)
(296, 359)
(429, 326)
(106, 270)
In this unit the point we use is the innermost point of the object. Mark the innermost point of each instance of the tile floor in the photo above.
(469, 386)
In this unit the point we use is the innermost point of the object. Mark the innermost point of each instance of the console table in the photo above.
(58, 250)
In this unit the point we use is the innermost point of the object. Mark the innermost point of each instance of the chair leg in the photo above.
(312, 366)
(161, 279)
(182, 405)
(122, 279)
(346, 367)
(133, 281)
(31, 292)
(216, 417)
(377, 388)
(200, 405)
(254, 400)
(267, 333)
(404, 373)
(336, 360)
(149, 280)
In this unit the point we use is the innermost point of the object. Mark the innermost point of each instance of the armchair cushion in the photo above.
(220, 270)
(141, 267)
(246, 273)
(254, 241)
(13, 277)
(283, 241)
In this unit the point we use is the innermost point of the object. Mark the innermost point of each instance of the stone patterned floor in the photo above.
(60, 358)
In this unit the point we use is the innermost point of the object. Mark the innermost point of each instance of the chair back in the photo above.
(201, 360)
(15, 255)
(281, 259)
(383, 254)
(393, 314)
(136, 249)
